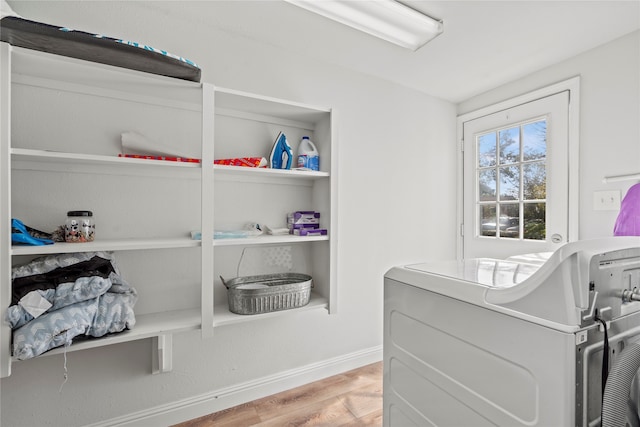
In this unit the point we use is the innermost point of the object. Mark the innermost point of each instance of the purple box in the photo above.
(310, 231)
(303, 217)
(298, 226)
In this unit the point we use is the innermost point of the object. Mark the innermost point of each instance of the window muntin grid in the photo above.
(511, 181)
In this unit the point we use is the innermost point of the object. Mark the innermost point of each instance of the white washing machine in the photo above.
(515, 342)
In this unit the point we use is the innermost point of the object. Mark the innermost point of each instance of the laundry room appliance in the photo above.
(514, 342)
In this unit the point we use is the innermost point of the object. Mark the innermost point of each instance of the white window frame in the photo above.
(573, 86)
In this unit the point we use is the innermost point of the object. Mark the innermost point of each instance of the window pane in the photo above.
(534, 181)
(488, 220)
(534, 140)
(510, 220)
(509, 145)
(511, 173)
(535, 221)
(487, 150)
(510, 183)
(487, 185)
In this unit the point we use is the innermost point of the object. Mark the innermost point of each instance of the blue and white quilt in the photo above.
(86, 305)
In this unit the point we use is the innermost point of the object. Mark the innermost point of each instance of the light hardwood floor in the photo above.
(353, 398)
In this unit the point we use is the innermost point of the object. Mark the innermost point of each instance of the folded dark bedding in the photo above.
(96, 48)
(96, 266)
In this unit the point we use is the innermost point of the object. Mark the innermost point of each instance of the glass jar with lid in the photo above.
(79, 227)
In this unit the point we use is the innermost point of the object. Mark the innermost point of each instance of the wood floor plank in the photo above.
(300, 397)
(326, 413)
(241, 415)
(372, 371)
(374, 419)
(353, 399)
(364, 400)
(308, 394)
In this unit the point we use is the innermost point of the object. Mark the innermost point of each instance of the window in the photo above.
(518, 169)
(511, 179)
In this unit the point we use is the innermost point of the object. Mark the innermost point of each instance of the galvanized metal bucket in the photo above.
(268, 292)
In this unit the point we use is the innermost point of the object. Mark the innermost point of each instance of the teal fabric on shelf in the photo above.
(23, 235)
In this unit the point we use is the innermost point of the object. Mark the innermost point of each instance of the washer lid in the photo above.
(488, 272)
(552, 290)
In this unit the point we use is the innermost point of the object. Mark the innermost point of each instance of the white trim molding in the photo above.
(227, 397)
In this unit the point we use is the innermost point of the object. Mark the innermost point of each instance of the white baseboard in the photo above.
(217, 400)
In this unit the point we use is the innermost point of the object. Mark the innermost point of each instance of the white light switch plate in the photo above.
(606, 200)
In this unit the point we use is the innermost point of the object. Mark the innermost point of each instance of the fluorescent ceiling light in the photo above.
(386, 19)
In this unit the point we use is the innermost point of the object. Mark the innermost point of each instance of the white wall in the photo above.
(396, 206)
(609, 120)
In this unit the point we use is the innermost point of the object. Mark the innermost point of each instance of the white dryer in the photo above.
(515, 342)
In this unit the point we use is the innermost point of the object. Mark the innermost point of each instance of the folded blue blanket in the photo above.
(86, 306)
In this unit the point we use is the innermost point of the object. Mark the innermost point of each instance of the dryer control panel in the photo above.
(615, 283)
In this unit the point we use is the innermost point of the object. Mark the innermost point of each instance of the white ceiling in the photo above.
(484, 44)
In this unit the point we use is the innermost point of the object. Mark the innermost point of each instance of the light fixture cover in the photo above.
(385, 19)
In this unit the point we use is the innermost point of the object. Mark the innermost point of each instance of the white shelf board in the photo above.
(268, 240)
(24, 154)
(268, 172)
(626, 177)
(38, 68)
(222, 316)
(147, 326)
(252, 104)
(106, 245)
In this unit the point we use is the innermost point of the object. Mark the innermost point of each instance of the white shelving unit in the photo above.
(246, 126)
(60, 126)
